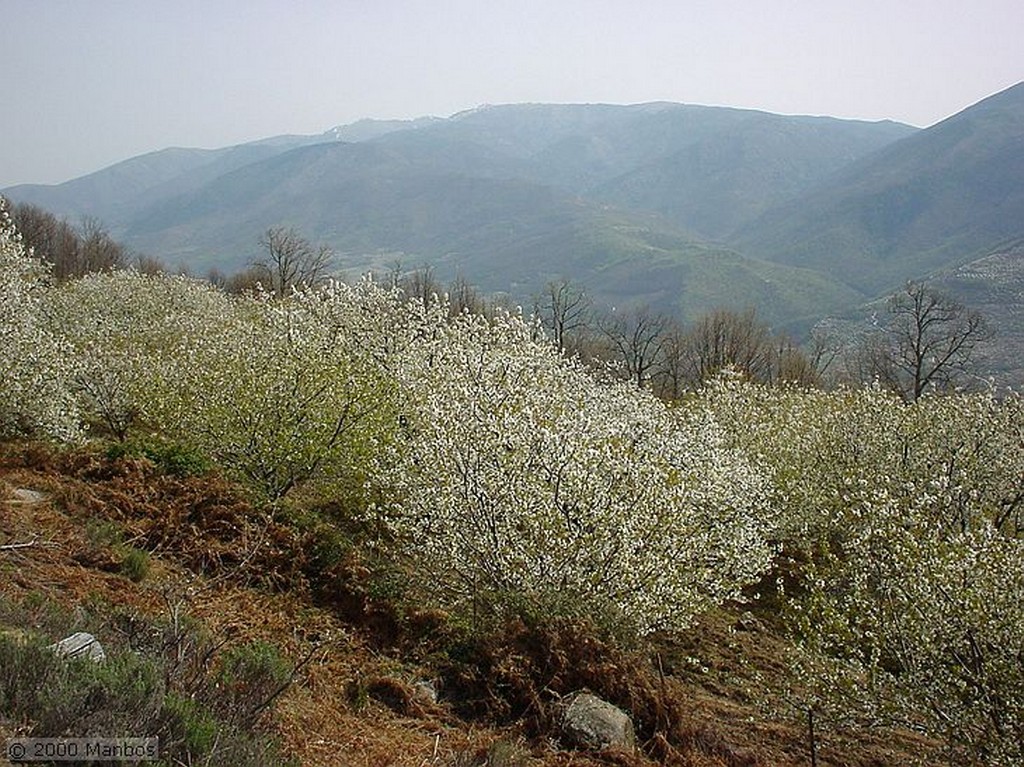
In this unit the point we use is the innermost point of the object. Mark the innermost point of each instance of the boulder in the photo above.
(592, 723)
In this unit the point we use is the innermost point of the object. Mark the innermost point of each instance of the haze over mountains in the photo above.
(682, 207)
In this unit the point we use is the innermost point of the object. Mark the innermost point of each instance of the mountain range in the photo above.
(681, 207)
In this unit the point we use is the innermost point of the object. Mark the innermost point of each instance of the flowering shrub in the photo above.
(129, 332)
(278, 392)
(520, 474)
(35, 366)
(509, 470)
(284, 392)
(909, 517)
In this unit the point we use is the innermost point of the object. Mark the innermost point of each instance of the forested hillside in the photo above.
(933, 200)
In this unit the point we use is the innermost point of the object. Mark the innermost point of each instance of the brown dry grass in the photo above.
(698, 700)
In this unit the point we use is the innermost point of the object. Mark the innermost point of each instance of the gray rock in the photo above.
(28, 497)
(591, 723)
(747, 622)
(80, 645)
(424, 693)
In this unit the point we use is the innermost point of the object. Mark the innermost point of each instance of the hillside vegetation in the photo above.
(519, 526)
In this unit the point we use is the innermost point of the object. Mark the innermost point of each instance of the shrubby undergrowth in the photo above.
(202, 701)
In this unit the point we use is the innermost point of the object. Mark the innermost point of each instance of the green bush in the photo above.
(102, 532)
(251, 675)
(135, 564)
(76, 697)
(188, 723)
(170, 457)
(165, 689)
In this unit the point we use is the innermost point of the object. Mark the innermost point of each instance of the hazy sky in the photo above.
(85, 83)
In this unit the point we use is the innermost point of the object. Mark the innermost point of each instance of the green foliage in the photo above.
(135, 564)
(102, 532)
(60, 696)
(190, 723)
(284, 392)
(357, 694)
(327, 544)
(172, 458)
(279, 393)
(129, 333)
(251, 675)
(163, 689)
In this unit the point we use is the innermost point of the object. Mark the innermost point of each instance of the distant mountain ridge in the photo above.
(683, 207)
(935, 199)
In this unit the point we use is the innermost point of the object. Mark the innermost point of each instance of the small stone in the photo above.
(80, 645)
(424, 693)
(747, 622)
(592, 723)
(24, 495)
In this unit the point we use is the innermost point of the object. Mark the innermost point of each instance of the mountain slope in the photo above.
(728, 178)
(116, 193)
(377, 205)
(994, 285)
(107, 192)
(926, 202)
(709, 169)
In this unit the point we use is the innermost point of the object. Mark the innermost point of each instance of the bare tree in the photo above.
(70, 252)
(52, 240)
(928, 343)
(565, 311)
(245, 281)
(636, 340)
(826, 349)
(291, 260)
(725, 338)
(792, 365)
(463, 297)
(421, 285)
(98, 251)
(394, 275)
(672, 380)
(217, 278)
(150, 265)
